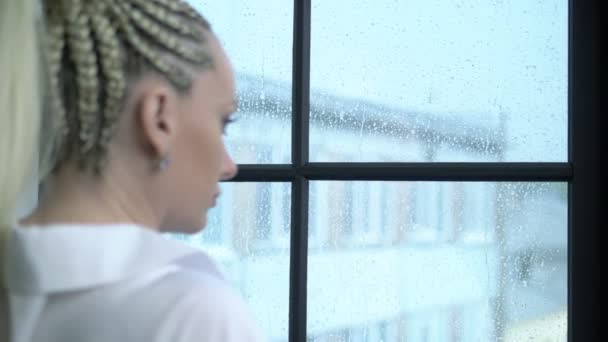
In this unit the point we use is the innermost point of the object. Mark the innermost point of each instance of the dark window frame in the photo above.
(581, 172)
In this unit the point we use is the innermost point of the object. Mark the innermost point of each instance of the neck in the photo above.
(76, 197)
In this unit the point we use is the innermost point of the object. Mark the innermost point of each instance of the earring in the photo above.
(163, 163)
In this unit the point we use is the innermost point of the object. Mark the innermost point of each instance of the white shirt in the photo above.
(115, 283)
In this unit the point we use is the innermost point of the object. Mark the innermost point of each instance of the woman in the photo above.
(139, 94)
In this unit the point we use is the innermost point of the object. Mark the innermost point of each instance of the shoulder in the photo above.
(214, 310)
(187, 305)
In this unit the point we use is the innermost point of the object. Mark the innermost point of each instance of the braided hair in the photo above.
(95, 47)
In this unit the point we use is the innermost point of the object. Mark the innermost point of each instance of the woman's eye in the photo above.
(226, 123)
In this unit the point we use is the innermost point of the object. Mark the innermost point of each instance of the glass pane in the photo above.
(248, 234)
(444, 81)
(257, 36)
(437, 261)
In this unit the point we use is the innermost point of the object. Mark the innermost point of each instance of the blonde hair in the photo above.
(21, 98)
(91, 50)
(97, 47)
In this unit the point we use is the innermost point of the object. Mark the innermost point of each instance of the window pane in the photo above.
(439, 81)
(437, 261)
(257, 36)
(248, 234)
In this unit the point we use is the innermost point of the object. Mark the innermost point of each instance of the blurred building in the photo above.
(390, 261)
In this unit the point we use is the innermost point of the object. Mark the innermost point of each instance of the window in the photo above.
(435, 159)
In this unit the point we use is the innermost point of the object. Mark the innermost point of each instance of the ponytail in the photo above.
(21, 85)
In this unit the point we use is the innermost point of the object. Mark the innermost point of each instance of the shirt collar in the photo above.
(74, 257)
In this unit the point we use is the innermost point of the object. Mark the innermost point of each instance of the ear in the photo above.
(156, 115)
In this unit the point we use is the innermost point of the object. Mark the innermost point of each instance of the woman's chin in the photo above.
(203, 225)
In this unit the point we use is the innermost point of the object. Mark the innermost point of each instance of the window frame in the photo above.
(581, 171)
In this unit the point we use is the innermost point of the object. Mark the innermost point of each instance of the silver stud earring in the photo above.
(163, 163)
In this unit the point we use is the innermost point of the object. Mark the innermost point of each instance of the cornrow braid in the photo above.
(165, 37)
(159, 14)
(111, 67)
(176, 75)
(85, 61)
(95, 47)
(56, 43)
(183, 9)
